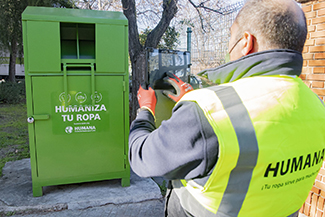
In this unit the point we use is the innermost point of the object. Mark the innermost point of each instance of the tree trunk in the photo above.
(138, 64)
(137, 51)
(12, 61)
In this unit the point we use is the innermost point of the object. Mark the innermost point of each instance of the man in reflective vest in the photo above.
(251, 146)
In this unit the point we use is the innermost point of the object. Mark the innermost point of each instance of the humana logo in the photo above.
(85, 129)
(295, 164)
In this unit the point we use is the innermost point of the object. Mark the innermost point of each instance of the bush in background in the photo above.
(12, 92)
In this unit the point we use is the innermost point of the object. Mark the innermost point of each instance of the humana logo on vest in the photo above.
(294, 164)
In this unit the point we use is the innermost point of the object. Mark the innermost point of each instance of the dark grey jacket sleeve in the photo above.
(183, 147)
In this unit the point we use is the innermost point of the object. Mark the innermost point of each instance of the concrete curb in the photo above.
(32, 209)
(16, 192)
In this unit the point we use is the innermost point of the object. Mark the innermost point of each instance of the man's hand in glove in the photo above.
(180, 87)
(147, 99)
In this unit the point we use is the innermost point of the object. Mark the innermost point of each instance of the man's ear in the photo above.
(249, 45)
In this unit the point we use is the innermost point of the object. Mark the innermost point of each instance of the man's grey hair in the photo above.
(273, 24)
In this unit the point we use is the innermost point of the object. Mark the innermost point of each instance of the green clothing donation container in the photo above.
(76, 74)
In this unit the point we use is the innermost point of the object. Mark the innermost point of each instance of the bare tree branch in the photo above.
(169, 11)
(87, 4)
(223, 11)
(229, 9)
(200, 14)
(146, 11)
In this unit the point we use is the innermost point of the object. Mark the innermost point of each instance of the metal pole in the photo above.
(189, 31)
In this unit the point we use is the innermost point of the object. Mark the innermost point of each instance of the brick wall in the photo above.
(313, 75)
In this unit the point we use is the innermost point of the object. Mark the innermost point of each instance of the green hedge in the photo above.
(11, 92)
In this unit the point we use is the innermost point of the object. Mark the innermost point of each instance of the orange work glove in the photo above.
(147, 99)
(180, 87)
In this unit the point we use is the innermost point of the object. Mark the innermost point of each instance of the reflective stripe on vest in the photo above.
(271, 142)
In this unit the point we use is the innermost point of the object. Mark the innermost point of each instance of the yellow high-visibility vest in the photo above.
(271, 133)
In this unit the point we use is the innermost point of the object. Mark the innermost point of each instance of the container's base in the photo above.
(38, 184)
(37, 191)
(125, 182)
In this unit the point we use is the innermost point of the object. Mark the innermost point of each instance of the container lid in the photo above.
(73, 15)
